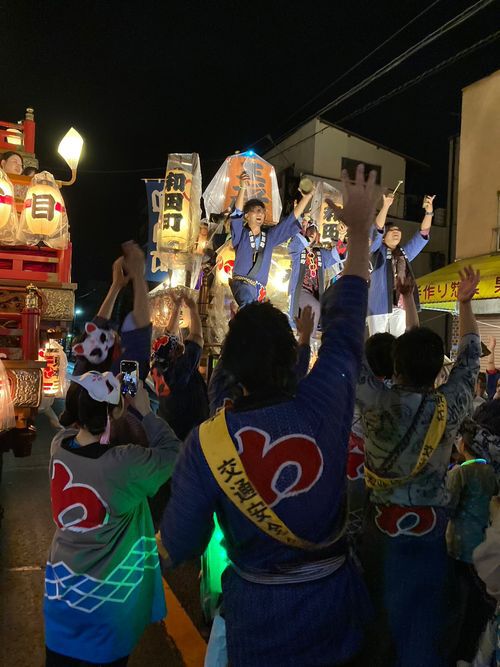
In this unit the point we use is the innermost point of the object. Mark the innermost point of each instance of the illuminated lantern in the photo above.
(44, 214)
(321, 211)
(225, 264)
(222, 191)
(7, 417)
(54, 373)
(8, 215)
(179, 220)
(279, 278)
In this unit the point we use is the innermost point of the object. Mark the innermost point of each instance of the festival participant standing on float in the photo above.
(273, 469)
(254, 241)
(391, 261)
(309, 261)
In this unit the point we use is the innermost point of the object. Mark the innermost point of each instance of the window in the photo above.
(351, 165)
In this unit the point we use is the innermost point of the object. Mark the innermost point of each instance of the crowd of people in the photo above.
(354, 496)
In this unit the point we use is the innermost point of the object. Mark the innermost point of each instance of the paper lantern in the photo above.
(44, 214)
(279, 278)
(222, 191)
(7, 209)
(179, 221)
(322, 213)
(225, 264)
(54, 373)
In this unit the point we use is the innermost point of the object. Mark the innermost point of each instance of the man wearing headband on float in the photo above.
(309, 261)
(103, 583)
(254, 242)
(390, 262)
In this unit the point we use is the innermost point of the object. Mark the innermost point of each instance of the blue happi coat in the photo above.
(294, 448)
(380, 294)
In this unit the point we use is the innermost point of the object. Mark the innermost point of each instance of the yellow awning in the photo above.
(438, 290)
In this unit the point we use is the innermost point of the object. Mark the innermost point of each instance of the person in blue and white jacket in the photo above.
(391, 261)
(254, 242)
(309, 261)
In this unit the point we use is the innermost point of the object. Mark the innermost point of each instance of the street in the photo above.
(25, 535)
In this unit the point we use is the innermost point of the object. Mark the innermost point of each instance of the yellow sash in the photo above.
(227, 468)
(432, 439)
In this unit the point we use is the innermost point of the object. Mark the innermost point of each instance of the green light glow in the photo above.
(213, 563)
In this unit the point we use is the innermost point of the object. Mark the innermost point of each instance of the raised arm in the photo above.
(429, 213)
(303, 203)
(329, 387)
(173, 320)
(240, 199)
(382, 214)
(134, 264)
(459, 390)
(195, 327)
(118, 283)
(406, 288)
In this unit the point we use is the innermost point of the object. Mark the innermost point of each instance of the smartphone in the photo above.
(130, 373)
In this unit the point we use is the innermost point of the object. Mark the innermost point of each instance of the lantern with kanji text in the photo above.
(222, 191)
(179, 221)
(44, 214)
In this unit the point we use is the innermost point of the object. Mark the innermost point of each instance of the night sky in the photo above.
(142, 79)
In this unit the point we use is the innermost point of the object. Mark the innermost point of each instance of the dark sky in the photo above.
(142, 79)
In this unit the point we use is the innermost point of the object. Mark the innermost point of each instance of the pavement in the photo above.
(25, 535)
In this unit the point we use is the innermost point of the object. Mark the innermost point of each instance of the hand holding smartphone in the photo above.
(130, 377)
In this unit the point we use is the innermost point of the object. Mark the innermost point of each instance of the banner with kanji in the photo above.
(438, 290)
(154, 189)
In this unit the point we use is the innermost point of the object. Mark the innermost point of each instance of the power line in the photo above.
(439, 32)
(401, 88)
(412, 82)
(356, 65)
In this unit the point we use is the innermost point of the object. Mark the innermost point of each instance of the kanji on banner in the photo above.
(154, 269)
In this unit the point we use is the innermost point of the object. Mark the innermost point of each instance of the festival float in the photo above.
(36, 292)
(186, 252)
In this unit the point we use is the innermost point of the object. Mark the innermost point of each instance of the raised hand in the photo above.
(359, 200)
(469, 279)
(428, 204)
(387, 200)
(492, 343)
(305, 323)
(244, 179)
(134, 260)
(120, 278)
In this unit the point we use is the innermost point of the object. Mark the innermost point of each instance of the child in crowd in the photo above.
(254, 242)
(103, 582)
(471, 486)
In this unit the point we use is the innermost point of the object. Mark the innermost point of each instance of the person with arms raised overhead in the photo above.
(390, 262)
(254, 241)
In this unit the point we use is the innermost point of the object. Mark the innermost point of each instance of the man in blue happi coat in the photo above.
(254, 241)
(391, 261)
